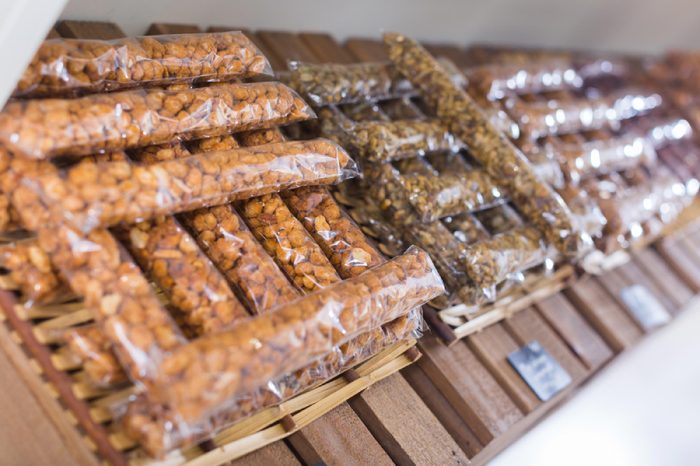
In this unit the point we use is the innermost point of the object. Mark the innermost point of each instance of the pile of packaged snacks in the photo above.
(614, 140)
(195, 189)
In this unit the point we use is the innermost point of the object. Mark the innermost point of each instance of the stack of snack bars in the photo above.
(182, 264)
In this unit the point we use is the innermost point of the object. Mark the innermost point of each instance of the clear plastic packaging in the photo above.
(546, 166)
(592, 158)
(208, 373)
(504, 162)
(383, 141)
(402, 109)
(287, 241)
(340, 238)
(494, 260)
(158, 432)
(367, 111)
(498, 81)
(333, 84)
(466, 228)
(43, 128)
(171, 258)
(30, 268)
(499, 219)
(87, 65)
(160, 153)
(106, 193)
(585, 210)
(94, 350)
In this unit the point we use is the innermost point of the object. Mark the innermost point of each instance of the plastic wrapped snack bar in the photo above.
(157, 428)
(172, 259)
(600, 157)
(504, 162)
(160, 153)
(339, 237)
(386, 187)
(466, 228)
(329, 84)
(546, 165)
(383, 141)
(65, 65)
(191, 377)
(366, 111)
(499, 219)
(30, 268)
(43, 128)
(106, 193)
(401, 109)
(497, 81)
(288, 242)
(94, 350)
(585, 210)
(492, 261)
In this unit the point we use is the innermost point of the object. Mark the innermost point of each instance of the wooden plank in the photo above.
(367, 50)
(658, 270)
(604, 314)
(634, 275)
(286, 46)
(338, 437)
(469, 387)
(53, 34)
(450, 51)
(442, 409)
(527, 325)
(171, 28)
(493, 345)
(575, 331)
(680, 262)
(276, 453)
(89, 30)
(325, 48)
(404, 426)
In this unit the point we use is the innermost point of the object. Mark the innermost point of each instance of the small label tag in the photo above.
(644, 306)
(539, 370)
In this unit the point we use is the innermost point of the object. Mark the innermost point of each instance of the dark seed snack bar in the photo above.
(534, 198)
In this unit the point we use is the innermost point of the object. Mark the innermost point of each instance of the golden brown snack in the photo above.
(43, 128)
(95, 351)
(88, 65)
(153, 426)
(503, 161)
(160, 153)
(285, 239)
(107, 193)
(30, 268)
(291, 336)
(172, 259)
(340, 238)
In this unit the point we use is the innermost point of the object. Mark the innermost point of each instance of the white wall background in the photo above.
(628, 25)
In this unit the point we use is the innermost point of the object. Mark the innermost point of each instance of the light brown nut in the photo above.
(285, 239)
(95, 351)
(88, 65)
(30, 268)
(107, 193)
(340, 238)
(43, 128)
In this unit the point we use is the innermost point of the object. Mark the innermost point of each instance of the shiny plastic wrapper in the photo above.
(585, 210)
(106, 193)
(292, 336)
(466, 228)
(498, 81)
(159, 431)
(67, 65)
(601, 157)
(494, 260)
(30, 269)
(94, 351)
(402, 109)
(340, 238)
(535, 199)
(43, 128)
(380, 141)
(285, 239)
(171, 258)
(367, 111)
